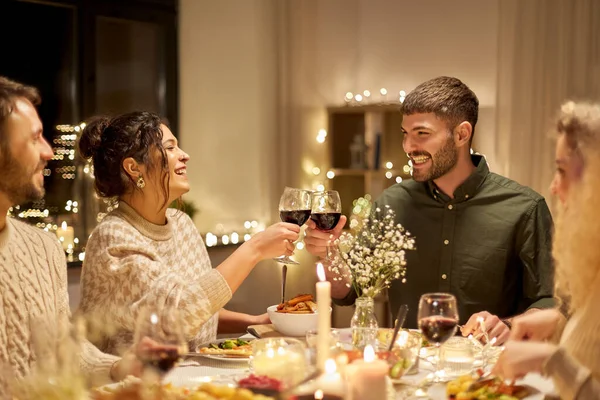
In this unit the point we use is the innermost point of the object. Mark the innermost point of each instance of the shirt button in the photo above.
(450, 207)
(446, 241)
(444, 276)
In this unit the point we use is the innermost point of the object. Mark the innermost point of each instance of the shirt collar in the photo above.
(469, 187)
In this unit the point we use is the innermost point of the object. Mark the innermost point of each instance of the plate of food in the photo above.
(471, 387)
(132, 389)
(234, 349)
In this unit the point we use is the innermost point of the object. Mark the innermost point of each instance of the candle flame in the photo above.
(321, 272)
(369, 354)
(319, 394)
(330, 366)
(63, 226)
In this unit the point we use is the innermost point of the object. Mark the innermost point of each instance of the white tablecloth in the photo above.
(203, 369)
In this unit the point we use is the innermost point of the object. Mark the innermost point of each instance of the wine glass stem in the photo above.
(438, 362)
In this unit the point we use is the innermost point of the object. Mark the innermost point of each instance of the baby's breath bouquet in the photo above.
(373, 252)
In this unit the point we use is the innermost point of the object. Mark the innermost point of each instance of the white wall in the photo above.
(228, 88)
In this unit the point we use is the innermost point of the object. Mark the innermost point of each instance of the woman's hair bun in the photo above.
(91, 138)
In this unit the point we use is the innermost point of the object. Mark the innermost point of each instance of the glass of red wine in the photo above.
(294, 207)
(438, 320)
(326, 211)
(159, 340)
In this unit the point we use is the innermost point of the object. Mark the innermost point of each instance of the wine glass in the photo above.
(294, 207)
(159, 340)
(326, 211)
(438, 319)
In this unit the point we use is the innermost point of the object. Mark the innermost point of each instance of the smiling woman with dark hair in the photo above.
(144, 254)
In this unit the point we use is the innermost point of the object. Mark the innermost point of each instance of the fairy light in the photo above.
(358, 97)
(383, 91)
(388, 175)
(316, 170)
(398, 179)
(330, 174)
(367, 94)
(389, 165)
(349, 97)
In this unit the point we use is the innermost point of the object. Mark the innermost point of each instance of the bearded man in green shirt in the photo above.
(480, 236)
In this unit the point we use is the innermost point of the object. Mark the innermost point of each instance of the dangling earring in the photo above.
(140, 182)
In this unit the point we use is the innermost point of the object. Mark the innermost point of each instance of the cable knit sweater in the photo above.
(132, 264)
(33, 288)
(575, 366)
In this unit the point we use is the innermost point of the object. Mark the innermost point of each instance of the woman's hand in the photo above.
(277, 240)
(536, 326)
(520, 358)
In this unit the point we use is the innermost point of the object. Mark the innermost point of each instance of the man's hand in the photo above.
(520, 358)
(316, 241)
(537, 326)
(493, 325)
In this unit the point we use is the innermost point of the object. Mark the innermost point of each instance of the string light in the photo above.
(330, 174)
(316, 170)
(389, 165)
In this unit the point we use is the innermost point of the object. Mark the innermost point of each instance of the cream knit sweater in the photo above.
(132, 264)
(33, 288)
(575, 366)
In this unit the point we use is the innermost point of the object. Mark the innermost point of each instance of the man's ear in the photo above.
(462, 134)
(132, 168)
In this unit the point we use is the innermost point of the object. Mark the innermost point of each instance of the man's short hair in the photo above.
(448, 98)
(10, 91)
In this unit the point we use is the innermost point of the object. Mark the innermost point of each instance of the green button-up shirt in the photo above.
(490, 245)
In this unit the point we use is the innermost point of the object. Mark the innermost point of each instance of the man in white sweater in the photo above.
(33, 276)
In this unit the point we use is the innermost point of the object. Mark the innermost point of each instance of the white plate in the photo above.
(223, 357)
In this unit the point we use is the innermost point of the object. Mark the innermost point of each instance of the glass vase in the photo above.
(364, 324)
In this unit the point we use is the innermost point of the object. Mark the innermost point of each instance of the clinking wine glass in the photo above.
(294, 207)
(438, 319)
(326, 211)
(159, 340)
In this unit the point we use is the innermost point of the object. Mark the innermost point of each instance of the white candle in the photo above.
(66, 235)
(330, 383)
(324, 319)
(367, 377)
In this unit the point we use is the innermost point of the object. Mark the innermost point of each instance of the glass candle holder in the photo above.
(457, 357)
(280, 358)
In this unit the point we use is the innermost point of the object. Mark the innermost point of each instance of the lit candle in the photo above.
(66, 235)
(324, 319)
(367, 377)
(329, 385)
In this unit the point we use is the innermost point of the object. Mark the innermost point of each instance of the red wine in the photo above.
(438, 329)
(163, 360)
(298, 217)
(326, 221)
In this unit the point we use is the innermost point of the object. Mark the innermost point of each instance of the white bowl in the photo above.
(293, 324)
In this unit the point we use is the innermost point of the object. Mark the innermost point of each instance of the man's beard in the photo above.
(17, 182)
(443, 161)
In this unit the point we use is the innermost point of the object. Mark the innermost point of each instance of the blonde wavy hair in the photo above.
(576, 246)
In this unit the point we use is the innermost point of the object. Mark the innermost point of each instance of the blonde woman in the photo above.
(144, 254)
(573, 363)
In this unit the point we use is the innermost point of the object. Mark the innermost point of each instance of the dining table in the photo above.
(197, 370)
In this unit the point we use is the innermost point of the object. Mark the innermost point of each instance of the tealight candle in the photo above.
(324, 319)
(66, 235)
(367, 377)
